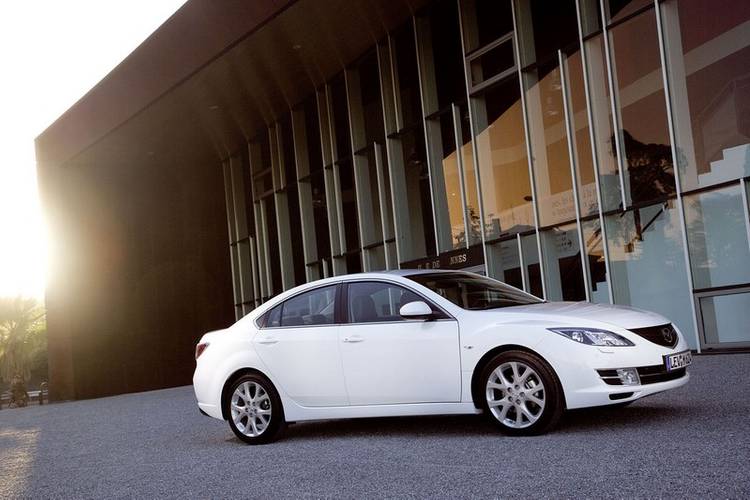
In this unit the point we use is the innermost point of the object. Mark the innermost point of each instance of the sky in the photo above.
(51, 53)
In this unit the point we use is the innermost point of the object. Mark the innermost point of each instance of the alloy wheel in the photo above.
(251, 409)
(515, 394)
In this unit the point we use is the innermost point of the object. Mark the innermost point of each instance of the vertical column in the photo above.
(583, 18)
(307, 219)
(232, 231)
(244, 267)
(573, 155)
(532, 179)
(433, 141)
(282, 207)
(678, 177)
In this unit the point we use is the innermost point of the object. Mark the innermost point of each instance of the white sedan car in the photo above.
(429, 342)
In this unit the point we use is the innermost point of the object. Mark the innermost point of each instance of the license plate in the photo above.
(677, 361)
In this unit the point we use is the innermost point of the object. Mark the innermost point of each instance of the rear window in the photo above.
(474, 292)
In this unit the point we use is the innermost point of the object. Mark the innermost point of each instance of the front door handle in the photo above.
(267, 341)
(353, 339)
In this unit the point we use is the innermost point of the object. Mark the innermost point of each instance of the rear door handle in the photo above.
(267, 341)
(353, 339)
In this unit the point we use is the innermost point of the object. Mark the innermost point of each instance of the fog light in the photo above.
(628, 376)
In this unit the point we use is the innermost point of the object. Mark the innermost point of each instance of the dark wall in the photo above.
(141, 271)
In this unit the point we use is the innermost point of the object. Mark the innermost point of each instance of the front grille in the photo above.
(664, 335)
(648, 375)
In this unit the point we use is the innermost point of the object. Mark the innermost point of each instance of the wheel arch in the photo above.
(476, 388)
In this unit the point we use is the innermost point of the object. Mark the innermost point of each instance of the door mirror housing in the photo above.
(416, 310)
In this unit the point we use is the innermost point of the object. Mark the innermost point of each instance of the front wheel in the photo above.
(254, 408)
(521, 394)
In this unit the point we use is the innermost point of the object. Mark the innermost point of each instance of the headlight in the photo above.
(593, 336)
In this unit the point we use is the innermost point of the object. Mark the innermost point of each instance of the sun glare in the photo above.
(52, 53)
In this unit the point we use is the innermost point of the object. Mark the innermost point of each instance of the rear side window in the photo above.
(316, 307)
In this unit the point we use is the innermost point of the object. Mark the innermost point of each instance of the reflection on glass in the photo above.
(643, 114)
(725, 318)
(582, 145)
(503, 164)
(419, 235)
(601, 113)
(451, 182)
(549, 140)
(532, 269)
(647, 262)
(349, 204)
(619, 9)
(708, 66)
(562, 257)
(717, 238)
(470, 179)
(485, 21)
(592, 239)
(505, 264)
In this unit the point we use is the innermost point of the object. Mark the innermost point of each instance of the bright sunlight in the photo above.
(52, 53)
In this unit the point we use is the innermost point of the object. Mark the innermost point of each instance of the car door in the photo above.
(300, 346)
(390, 360)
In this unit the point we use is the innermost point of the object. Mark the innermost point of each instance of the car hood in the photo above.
(582, 314)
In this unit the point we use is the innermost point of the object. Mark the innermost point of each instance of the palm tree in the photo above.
(22, 336)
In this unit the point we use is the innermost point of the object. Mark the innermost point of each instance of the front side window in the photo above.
(315, 307)
(471, 291)
(373, 301)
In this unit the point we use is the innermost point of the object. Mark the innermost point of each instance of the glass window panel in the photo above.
(505, 264)
(485, 21)
(340, 118)
(320, 215)
(441, 51)
(503, 164)
(533, 272)
(554, 186)
(725, 318)
(349, 204)
(369, 198)
(492, 63)
(555, 26)
(407, 75)
(582, 152)
(312, 134)
(643, 114)
(619, 9)
(273, 246)
(420, 229)
(717, 238)
(592, 239)
(287, 148)
(708, 54)
(451, 193)
(648, 265)
(295, 233)
(601, 112)
(315, 307)
(563, 268)
(369, 87)
(591, 16)
(470, 179)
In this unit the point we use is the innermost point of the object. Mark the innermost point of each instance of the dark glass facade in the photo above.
(579, 149)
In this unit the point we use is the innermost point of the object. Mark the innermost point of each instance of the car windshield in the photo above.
(471, 291)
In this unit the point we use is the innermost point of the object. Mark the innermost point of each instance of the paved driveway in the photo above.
(694, 442)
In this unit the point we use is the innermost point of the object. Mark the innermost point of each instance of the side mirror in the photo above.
(415, 310)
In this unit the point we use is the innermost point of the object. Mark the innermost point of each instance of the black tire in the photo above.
(516, 396)
(276, 424)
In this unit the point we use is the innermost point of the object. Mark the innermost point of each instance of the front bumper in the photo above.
(600, 394)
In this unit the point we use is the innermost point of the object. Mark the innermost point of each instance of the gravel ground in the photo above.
(690, 442)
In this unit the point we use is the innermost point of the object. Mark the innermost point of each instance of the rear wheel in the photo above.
(521, 393)
(254, 408)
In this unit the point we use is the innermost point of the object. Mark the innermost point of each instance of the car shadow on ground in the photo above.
(582, 421)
